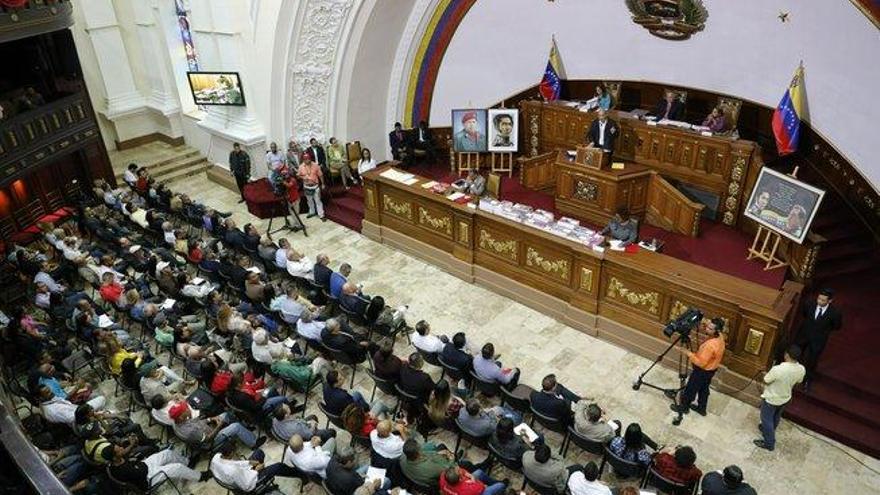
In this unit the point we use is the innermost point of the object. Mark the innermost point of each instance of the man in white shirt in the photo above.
(424, 341)
(265, 351)
(130, 175)
(42, 297)
(298, 265)
(385, 443)
(168, 233)
(281, 253)
(307, 327)
(778, 383)
(230, 469)
(275, 159)
(586, 482)
(139, 216)
(43, 277)
(57, 410)
(311, 456)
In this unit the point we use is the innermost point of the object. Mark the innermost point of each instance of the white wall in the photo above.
(501, 48)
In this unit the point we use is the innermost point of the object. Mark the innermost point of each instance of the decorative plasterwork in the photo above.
(312, 72)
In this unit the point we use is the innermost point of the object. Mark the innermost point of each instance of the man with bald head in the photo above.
(603, 132)
(310, 457)
(387, 439)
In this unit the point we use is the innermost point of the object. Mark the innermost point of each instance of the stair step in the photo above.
(845, 430)
(170, 166)
(182, 173)
(162, 156)
(845, 401)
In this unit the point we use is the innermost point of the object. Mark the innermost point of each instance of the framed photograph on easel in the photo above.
(784, 204)
(503, 126)
(469, 131)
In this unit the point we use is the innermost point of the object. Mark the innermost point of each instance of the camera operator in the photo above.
(705, 362)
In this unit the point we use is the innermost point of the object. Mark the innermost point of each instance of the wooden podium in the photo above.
(595, 194)
(595, 158)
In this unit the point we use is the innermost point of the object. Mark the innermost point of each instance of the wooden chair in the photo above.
(681, 94)
(731, 108)
(353, 150)
(493, 183)
(613, 89)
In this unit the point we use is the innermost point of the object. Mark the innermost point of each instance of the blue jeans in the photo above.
(234, 430)
(492, 487)
(770, 416)
(274, 401)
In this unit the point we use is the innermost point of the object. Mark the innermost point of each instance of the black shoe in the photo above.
(760, 444)
(701, 412)
(323, 219)
(679, 409)
(259, 443)
(311, 417)
(310, 215)
(206, 475)
(224, 214)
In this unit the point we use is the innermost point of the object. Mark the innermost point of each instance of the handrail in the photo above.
(26, 457)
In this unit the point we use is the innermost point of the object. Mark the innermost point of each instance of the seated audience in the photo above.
(322, 271)
(458, 481)
(554, 400)
(487, 369)
(633, 445)
(424, 465)
(413, 380)
(424, 341)
(728, 482)
(482, 422)
(338, 279)
(589, 422)
(455, 353)
(585, 481)
(153, 470)
(245, 475)
(385, 364)
(443, 406)
(545, 469)
(286, 423)
(715, 120)
(678, 466)
(507, 442)
(310, 456)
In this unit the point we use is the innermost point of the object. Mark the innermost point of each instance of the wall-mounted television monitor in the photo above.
(216, 88)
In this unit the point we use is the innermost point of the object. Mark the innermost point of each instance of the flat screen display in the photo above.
(216, 88)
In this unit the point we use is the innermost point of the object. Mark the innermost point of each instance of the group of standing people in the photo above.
(301, 174)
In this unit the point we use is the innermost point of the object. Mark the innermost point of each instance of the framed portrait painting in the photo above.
(503, 130)
(783, 204)
(469, 130)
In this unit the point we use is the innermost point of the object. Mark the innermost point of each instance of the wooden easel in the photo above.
(468, 161)
(503, 162)
(764, 248)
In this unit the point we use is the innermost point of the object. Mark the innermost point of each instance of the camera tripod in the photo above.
(671, 393)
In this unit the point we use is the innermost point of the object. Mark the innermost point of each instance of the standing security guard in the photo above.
(240, 166)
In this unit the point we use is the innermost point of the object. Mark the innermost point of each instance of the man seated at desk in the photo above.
(622, 227)
(670, 108)
(475, 184)
(715, 120)
(603, 132)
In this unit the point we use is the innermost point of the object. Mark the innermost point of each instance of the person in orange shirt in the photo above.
(313, 181)
(705, 363)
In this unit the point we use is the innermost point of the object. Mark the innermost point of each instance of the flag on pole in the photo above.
(551, 85)
(788, 115)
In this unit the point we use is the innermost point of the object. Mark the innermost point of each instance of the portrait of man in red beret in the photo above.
(469, 128)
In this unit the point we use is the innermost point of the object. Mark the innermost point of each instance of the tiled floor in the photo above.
(803, 462)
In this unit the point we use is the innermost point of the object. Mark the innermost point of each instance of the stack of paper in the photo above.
(454, 196)
(523, 428)
(198, 281)
(398, 176)
(168, 303)
(104, 321)
(375, 474)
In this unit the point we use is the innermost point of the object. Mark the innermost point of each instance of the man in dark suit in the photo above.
(322, 271)
(319, 156)
(240, 166)
(603, 132)
(669, 108)
(423, 140)
(554, 400)
(413, 380)
(454, 353)
(400, 146)
(820, 318)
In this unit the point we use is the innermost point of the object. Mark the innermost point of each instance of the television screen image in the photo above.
(783, 204)
(216, 88)
(503, 130)
(469, 130)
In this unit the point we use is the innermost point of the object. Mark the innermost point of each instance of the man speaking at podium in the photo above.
(705, 362)
(603, 132)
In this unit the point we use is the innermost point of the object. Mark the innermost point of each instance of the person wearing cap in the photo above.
(705, 363)
(728, 482)
(194, 431)
(469, 138)
(313, 182)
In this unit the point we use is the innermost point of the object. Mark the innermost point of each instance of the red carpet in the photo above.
(845, 397)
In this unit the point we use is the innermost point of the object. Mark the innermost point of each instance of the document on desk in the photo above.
(454, 196)
(429, 184)
(617, 245)
(168, 303)
(104, 321)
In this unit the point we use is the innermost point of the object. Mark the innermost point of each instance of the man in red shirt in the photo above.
(457, 481)
(110, 289)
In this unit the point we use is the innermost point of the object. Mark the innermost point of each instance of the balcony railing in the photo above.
(37, 136)
(34, 17)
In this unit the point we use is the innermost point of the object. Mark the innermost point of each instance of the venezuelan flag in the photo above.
(551, 85)
(787, 117)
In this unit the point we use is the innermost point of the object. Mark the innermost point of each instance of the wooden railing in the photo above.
(538, 172)
(34, 17)
(669, 209)
(56, 128)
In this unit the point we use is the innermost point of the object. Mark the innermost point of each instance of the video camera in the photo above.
(683, 324)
